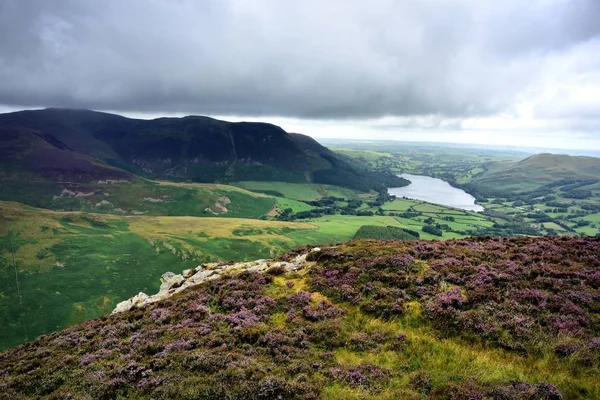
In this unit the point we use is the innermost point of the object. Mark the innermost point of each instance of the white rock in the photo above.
(188, 273)
(201, 276)
(172, 283)
(139, 299)
(170, 280)
(123, 306)
(301, 259)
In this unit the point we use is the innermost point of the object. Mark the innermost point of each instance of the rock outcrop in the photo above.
(172, 283)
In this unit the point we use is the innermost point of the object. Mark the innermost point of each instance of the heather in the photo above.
(484, 318)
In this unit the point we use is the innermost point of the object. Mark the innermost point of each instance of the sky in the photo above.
(510, 72)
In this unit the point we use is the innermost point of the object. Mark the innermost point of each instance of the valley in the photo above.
(92, 224)
(86, 234)
(299, 200)
(544, 194)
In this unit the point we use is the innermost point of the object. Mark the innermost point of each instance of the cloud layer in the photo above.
(307, 58)
(459, 60)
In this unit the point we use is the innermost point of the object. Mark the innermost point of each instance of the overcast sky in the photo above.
(482, 71)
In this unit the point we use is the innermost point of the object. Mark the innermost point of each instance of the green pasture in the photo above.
(295, 205)
(299, 191)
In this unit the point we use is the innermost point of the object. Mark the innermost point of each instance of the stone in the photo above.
(188, 273)
(169, 280)
(301, 259)
(139, 299)
(201, 276)
(123, 306)
(172, 283)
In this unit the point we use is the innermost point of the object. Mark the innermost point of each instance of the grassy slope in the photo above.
(538, 170)
(75, 266)
(133, 195)
(336, 341)
(300, 191)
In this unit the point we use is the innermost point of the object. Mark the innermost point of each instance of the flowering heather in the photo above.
(509, 293)
(480, 318)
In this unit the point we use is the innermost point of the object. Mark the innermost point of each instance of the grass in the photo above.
(140, 196)
(399, 205)
(339, 228)
(445, 360)
(76, 266)
(464, 221)
(298, 191)
(295, 205)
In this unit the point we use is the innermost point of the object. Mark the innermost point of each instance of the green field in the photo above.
(75, 266)
(296, 206)
(299, 191)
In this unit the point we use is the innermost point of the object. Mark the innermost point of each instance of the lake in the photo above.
(434, 190)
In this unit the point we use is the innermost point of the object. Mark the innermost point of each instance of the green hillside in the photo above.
(75, 266)
(537, 171)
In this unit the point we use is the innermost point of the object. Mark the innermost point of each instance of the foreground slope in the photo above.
(488, 318)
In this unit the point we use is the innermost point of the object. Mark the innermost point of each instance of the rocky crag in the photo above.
(172, 283)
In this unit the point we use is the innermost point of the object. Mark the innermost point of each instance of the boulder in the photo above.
(136, 301)
(187, 273)
(170, 281)
(201, 276)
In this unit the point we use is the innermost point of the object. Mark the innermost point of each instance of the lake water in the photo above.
(434, 190)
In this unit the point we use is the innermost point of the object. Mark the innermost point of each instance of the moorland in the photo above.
(479, 318)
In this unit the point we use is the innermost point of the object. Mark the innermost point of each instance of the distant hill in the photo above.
(536, 171)
(46, 151)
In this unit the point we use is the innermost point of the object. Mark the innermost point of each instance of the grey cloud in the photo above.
(306, 58)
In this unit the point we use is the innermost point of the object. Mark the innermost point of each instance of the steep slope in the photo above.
(73, 266)
(39, 170)
(538, 170)
(199, 149)
(488, 318)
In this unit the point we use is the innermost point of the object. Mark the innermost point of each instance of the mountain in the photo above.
(536, 171)
(84, 145)
(481, 318)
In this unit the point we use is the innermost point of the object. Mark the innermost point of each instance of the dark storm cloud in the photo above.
(307, 58)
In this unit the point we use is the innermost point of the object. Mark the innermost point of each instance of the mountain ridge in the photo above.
(48, 151)
(191, 148)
